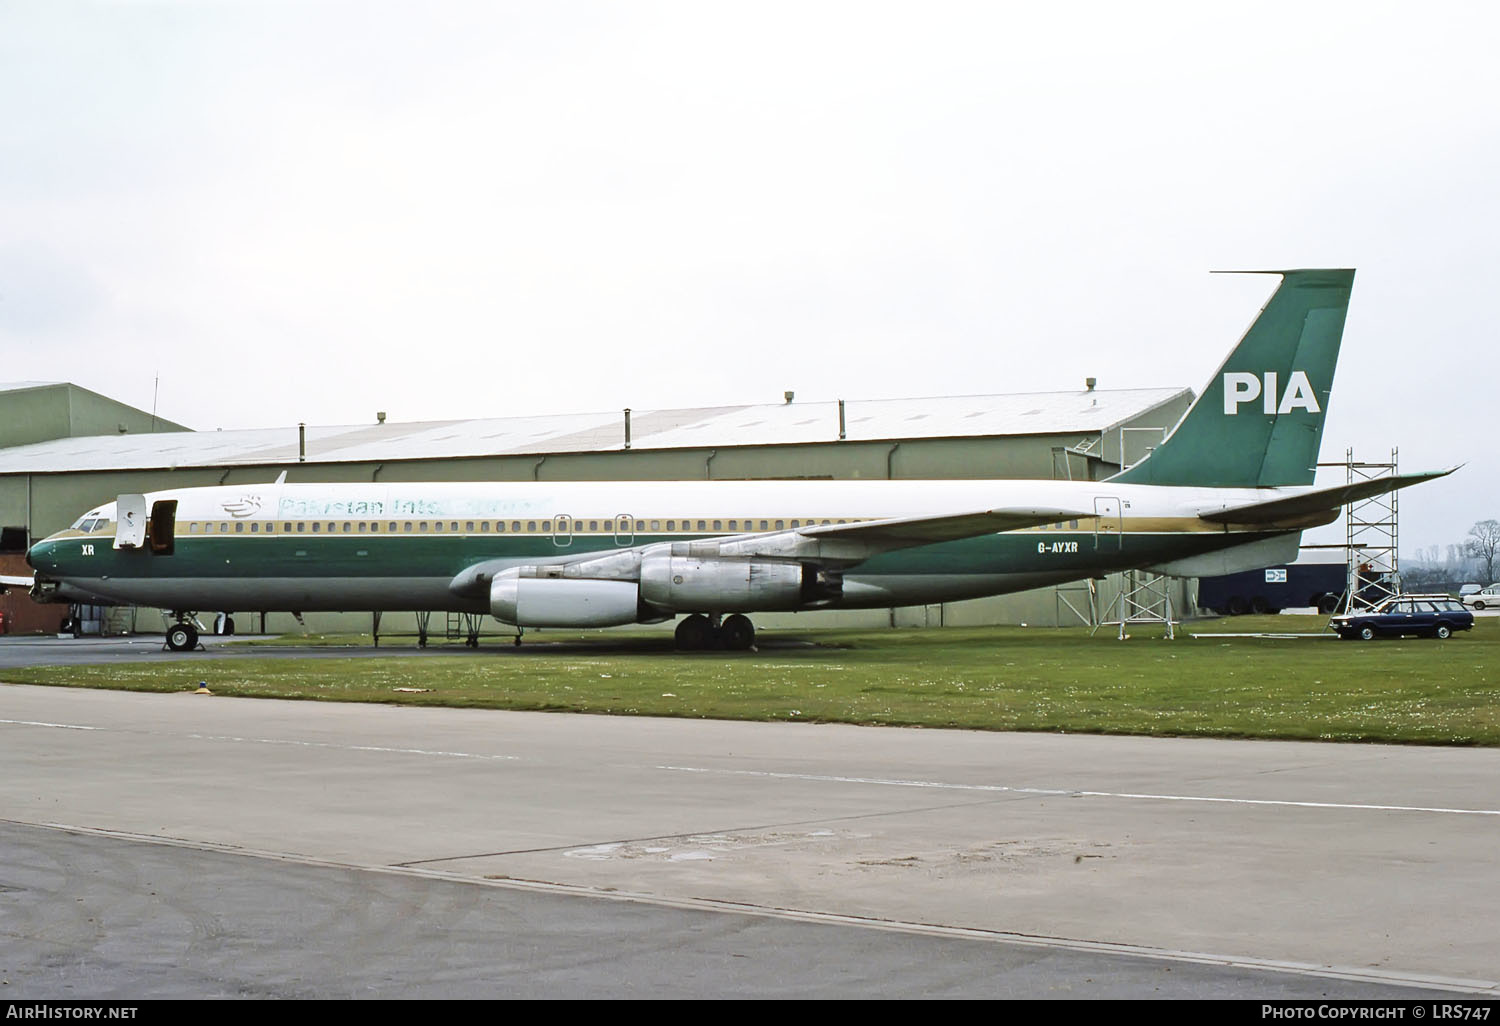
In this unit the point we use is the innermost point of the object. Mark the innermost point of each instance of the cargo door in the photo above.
(1107, 524)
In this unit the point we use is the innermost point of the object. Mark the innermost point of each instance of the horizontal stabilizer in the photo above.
(1320, 501)
(903, 531)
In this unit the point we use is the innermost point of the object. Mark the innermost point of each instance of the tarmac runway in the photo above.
(184, 846)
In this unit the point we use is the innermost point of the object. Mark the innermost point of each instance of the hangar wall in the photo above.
(42, 411)
(47, 502)
(44, 502)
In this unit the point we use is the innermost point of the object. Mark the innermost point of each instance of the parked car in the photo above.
(1436, 616)
(1484, 598)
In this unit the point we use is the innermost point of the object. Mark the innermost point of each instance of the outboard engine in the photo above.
(529, 596)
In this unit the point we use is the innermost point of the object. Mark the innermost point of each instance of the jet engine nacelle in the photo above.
(689, 584)
(562, 601)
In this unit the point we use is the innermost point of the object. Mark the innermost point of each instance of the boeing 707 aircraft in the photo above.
(1230, 489)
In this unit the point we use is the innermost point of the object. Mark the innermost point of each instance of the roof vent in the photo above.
(1089, 383)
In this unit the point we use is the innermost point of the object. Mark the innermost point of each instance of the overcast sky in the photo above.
(312, 211)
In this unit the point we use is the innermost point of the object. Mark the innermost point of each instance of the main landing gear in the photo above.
(699, 633)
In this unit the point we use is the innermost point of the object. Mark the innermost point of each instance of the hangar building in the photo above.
(64, 449)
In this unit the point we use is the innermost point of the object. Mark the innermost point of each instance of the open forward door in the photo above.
(130, 521)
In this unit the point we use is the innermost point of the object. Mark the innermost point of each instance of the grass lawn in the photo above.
(991, 678)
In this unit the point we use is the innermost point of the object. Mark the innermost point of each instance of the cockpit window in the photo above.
(88, 524)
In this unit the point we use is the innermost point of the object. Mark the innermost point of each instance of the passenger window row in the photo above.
(687, 525)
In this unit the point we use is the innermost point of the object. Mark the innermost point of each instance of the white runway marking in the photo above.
(347, 748)
(60, 726)
(277, 741)
(1067, 793)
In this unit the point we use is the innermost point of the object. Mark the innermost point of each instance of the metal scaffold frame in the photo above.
(1371, 532)
(1145, 598)
(1087, 593)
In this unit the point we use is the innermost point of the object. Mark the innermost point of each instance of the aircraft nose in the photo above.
(40, 556)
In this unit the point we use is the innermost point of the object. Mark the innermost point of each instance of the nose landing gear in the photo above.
(182, 636)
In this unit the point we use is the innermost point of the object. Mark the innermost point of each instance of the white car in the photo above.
(1484, 598)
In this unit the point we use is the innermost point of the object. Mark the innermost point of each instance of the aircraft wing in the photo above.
(8, 581)
(899, 532)
(834, 544)
(1319, 501)
(827, 544)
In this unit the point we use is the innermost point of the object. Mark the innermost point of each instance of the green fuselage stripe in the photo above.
(445, 556)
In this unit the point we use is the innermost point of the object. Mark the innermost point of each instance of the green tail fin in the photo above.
(1260, 420)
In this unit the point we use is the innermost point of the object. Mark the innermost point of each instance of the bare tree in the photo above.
(1483, 544)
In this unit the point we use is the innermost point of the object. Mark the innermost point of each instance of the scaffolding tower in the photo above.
(1145, 598)
(1371, 536)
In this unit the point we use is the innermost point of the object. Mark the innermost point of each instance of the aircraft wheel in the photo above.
(182, 637)
(1259, 605)
(695, 633)
(1237, 605)
(1328, 603)
(1442, 631)
(737, 633)
(1367, 634)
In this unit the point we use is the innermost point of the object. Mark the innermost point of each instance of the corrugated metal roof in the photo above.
(1087, 413)
(22, 386)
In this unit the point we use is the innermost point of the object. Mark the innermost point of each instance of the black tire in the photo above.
(1442, 632)
(228, 625)
(737, 633)
(1327, 603)
(1367, 634)
(1259, 605)
(1237, 605)
(182, 637)
(1479, 605)
(694, 633)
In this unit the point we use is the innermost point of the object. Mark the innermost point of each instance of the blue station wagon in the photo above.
(1436, 616)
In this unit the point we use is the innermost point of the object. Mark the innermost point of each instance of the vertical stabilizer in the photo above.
(1259, 421)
